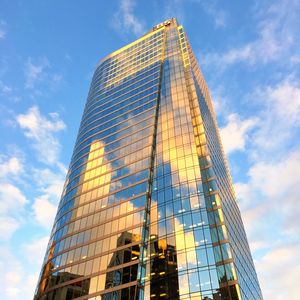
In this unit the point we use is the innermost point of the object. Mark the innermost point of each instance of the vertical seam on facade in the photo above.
(146, 227)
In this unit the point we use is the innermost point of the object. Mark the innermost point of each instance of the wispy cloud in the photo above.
(40, 129)
(39, 73)
(172, 8)
(125, 21)
(35, 72)
(276, 31)
(7, 92)
(280, 114)
(177, 9)
(5, 89)
(2, 34)
(277, 111)
(68, 57)
(2, 30)
(218, 15)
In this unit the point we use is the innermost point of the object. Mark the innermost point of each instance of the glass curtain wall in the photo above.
(148, 209)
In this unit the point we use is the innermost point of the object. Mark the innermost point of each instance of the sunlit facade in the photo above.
(148, 210)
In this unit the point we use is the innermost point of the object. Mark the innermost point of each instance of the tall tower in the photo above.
(148, 210)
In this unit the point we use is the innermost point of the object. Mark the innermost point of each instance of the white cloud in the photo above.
(269, 201)
(8, 226)
(279, 271)
(268, 198)
(12, 204)
(244, 194)
(11, 198)
(10, 166)
(285, 100)
(277, 180)
(38, 247)
(62, 168)
(33, 122)
(49, 184)
(54, 188)
(40, 130)
(16, 282)
(280, 117)
(217, 105)
(11, 278)
(126, 21)
(279, 183)
(44, 211)
(274, 126)
(219, 101)
(22, 266)
(235, 134)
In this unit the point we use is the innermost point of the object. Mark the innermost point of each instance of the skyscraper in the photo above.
(148, 210)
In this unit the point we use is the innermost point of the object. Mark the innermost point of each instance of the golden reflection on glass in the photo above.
(183, 284)
(153, 219)
(134, 66)
(47, 268)
(96, 174)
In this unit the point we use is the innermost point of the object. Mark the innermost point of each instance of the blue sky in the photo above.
(249, 52)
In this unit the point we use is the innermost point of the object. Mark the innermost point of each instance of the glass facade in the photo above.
(148, 210)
